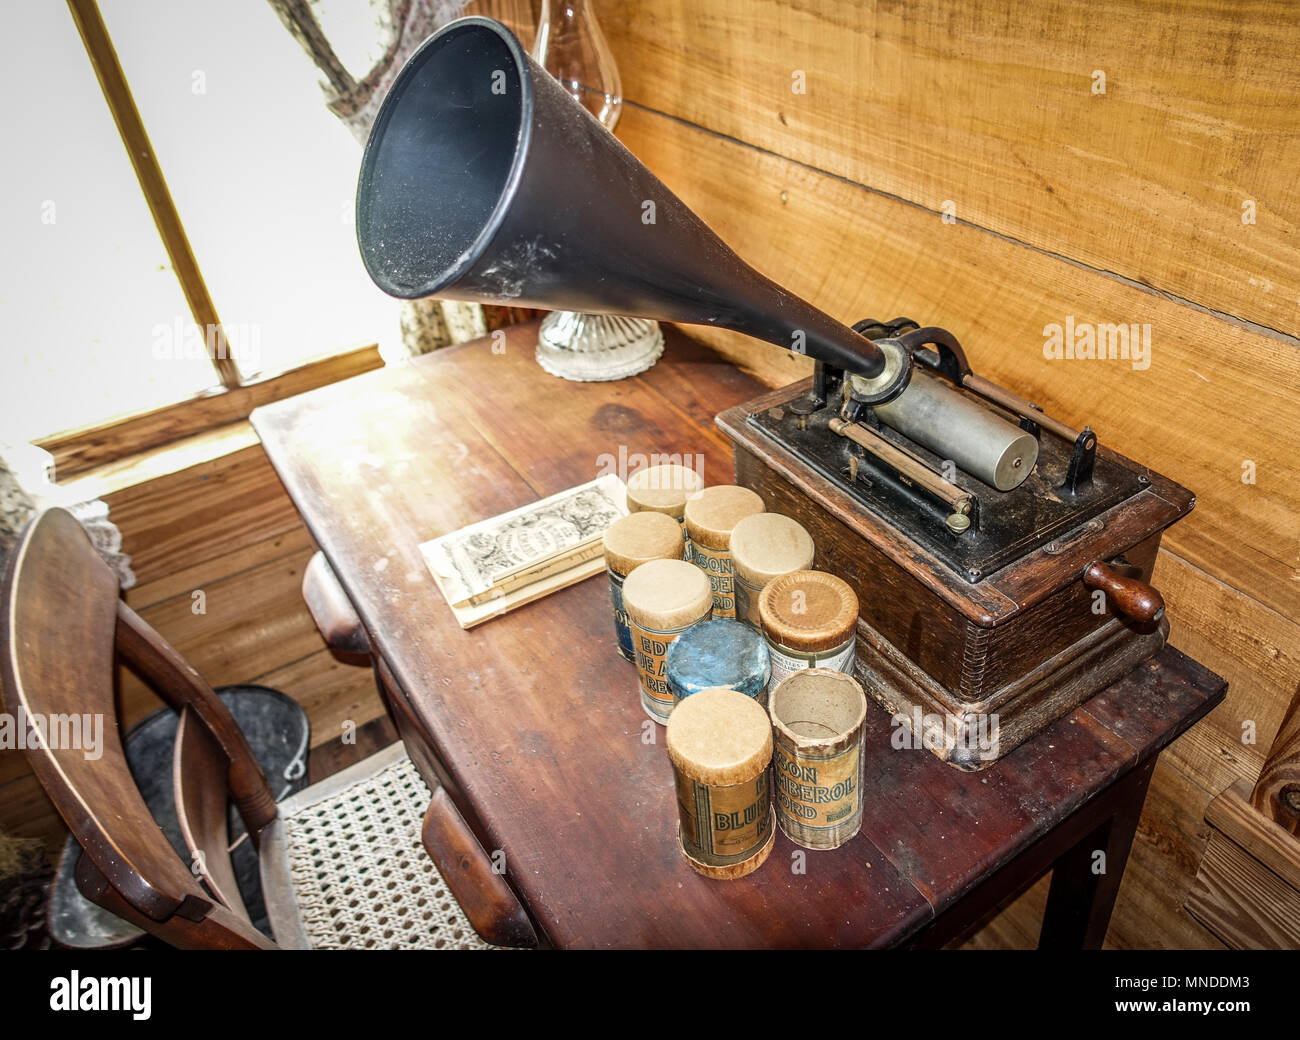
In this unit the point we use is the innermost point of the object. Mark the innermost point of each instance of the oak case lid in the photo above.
(998, 597)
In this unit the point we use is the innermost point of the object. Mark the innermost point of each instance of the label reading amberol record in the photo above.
(724, 825)
(716, 563)
(816, 792)
(786, 661)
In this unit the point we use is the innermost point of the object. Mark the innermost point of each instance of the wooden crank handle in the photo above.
(1133, 598)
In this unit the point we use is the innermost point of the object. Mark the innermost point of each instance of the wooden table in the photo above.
(533, 724)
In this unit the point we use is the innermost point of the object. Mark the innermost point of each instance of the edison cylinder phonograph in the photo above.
(1001, 557)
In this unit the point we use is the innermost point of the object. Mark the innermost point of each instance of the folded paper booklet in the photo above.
(495, 565)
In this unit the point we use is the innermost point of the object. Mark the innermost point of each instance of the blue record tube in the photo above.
(718, 653)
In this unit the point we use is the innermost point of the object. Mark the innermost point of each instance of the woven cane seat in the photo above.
(361, 878)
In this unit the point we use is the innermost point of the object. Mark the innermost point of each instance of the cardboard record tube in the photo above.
(629, 542)
(710, 518)
(720, 743)
(662, 598)
(817, 718)
(664, 489)
(763, 547)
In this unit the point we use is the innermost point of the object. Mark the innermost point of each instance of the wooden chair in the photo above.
(63, 621)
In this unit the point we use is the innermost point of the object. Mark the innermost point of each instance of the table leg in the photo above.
(1082, 895)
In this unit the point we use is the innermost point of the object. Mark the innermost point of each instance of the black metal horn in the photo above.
(484, 180)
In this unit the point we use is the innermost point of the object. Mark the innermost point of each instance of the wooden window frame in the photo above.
(75, 451)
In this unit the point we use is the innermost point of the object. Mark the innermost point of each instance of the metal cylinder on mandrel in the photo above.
(967, 433)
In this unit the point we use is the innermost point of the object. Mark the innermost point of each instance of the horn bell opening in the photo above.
(444, 158)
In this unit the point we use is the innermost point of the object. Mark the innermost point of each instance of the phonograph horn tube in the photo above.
(484, 180)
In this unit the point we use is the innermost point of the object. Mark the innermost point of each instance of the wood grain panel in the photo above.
(159, 462)
(1256, 649)
(87, 448)
(209, 572)
(1234, 815)
(860, 254)
(991, 107)
(200, 513)
(1244, 902)
(1162, 868)
(332, 691)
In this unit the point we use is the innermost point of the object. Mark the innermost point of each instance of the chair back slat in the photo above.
(199, 769)
(218, 929)
(151, 657)
(60, 608)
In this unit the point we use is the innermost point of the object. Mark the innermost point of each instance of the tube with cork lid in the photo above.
(663, 598)
(629, 542)
(711, 516)
(720, 743)
(810, 620)
(764, 547)
(664, 488)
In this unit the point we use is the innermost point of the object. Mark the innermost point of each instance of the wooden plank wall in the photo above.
(959, 163)
(222, 526)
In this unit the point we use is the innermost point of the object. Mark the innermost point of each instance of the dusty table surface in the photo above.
(536, 720)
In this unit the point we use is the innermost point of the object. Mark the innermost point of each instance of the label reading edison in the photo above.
(651, 647)
(724, 825)
(620, 615)
(816, 792)
(716, 563)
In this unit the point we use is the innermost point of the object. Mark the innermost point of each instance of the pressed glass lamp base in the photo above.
(590, 348)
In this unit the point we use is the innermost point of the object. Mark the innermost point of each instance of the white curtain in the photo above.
(354, 90)
(26, 486)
